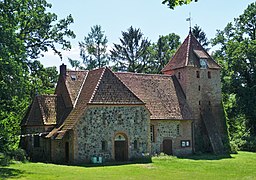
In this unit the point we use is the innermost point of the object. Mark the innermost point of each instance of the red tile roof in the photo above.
(189, 54)
(42, 111)
(100, 86)
(162, 94)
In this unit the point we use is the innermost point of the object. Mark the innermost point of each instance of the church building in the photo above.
(101, 115)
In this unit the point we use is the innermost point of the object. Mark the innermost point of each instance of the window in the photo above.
(199, 88)
(209, 75)
(209, 103)
(185, 143)
(103, 145)
(179, 75)
(135, 144)
(203, 63)
(73, 77)
(178, 129)
(197, 74)
(152, 133)
(36, 141)
(199, 102)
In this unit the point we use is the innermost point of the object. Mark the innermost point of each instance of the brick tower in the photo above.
(199, 76)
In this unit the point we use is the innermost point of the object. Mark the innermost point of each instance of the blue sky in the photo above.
(150, 16)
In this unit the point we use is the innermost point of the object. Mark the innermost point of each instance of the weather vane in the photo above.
(190, 20)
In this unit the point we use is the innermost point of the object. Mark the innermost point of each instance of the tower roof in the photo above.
(189, 54)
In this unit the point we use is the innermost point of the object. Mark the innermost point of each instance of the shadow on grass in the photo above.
(207, 156)
(6, 172)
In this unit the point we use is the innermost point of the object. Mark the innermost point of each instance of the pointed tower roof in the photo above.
(189, 54)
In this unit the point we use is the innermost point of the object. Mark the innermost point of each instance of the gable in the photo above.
(111, 90)
(42, 111)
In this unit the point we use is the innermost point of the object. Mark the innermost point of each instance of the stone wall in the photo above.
(174, 130)
(103, 123)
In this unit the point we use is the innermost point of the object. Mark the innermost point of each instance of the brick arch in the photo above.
(120, 146)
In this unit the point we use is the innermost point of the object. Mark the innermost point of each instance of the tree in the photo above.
(237, 55)
(27, 30)
(200, 36)
(132, 54)
(93, 50)
(162, 51)
(173, 3)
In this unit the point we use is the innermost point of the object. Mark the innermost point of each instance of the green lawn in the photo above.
(240, 166)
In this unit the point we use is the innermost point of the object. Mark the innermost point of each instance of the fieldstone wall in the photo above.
(103, 123)
(174, 130)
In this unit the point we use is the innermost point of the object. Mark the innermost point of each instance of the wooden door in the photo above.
(167, 146)
(121, 151)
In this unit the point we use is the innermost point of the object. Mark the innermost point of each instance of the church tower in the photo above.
(199, 76)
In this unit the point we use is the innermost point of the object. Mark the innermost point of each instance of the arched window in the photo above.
(209, 75)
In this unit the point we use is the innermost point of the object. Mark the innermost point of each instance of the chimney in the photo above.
(63, 70)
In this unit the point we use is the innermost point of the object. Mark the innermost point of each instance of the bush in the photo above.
(17, 154)
(233, 147)
(4, 160)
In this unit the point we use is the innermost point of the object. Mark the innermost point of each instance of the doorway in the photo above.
(121, 148)
(167, 146)
(67, 152)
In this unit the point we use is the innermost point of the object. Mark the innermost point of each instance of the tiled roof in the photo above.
(162, 94)
(42, 111)
(101, 86)
(111, 90)
(74, 80)
(189, 54)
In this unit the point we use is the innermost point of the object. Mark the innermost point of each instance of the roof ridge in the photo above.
(188, 48)
(80, 90)
(41, 108)
(143, 74)
(97, 85)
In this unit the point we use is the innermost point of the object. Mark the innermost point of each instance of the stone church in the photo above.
(121, 116)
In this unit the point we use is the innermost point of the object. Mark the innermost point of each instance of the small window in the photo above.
(179, 75)
(209, 75)
(135, 144)
(199, 102)
(185, 143)
(203, 63)
(152, 133)
(209, 103)
(73, 77)
(178, 129)
(36, 141)
(197, 74)
(103, 145)
(199, 88)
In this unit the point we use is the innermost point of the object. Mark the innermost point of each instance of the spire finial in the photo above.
(190, 21)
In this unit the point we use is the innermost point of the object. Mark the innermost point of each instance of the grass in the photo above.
(239, 166)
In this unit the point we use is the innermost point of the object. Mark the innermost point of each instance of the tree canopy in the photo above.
(93, 50)
(132, 53)
(173, 3)
(237, 56)
(27, 30)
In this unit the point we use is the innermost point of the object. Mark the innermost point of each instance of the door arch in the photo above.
(121, 147)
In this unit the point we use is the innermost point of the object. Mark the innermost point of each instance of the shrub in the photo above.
(17, 154)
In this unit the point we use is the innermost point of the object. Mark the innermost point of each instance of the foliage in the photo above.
(173, 3)
(237, 56)
(200, 36)
(162, 51)
(240, 166)
(132, 54)
(27, 30)
(93, 50)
